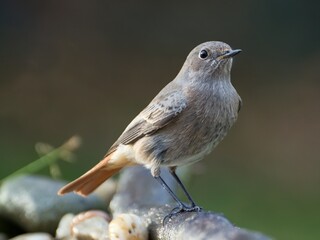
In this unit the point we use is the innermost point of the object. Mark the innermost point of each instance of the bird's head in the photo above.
(210, 60)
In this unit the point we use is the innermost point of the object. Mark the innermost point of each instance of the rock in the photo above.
(33, 236)
(90, 225)
(32, 202)
(202, 226)
(64, 228)
(138, 194)
(128, 227)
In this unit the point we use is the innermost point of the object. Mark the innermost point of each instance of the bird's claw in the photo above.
(194, 208)
(181, 209)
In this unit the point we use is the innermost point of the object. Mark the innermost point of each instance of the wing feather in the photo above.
(160, 112)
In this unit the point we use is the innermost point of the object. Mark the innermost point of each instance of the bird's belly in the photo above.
(189, 159)
(185, 144)
(195, 147)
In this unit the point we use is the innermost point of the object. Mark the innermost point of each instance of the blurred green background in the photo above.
(88, 67)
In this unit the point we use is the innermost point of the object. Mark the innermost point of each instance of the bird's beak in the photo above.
(231, 53)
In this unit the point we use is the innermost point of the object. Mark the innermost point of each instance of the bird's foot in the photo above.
(193, 208)
(180, 209)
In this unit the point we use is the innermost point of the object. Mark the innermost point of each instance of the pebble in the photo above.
(32, 202)
(90, 225)
(33, 236)
(128, 227)
(64, 228)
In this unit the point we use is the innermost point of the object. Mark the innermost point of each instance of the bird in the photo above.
(182, 124)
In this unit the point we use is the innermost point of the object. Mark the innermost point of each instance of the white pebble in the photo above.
(91, 225)
(64, 231)
(128, 227)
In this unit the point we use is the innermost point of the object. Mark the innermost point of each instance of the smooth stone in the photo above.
(128, 226)
(32, 202)
(64, 228)
(91, 225)
(33, 236)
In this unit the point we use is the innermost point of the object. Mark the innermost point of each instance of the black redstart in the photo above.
(181, 125)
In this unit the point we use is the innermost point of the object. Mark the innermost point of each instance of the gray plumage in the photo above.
(190, 115)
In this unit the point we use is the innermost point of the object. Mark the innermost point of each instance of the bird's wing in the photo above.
(161, 111)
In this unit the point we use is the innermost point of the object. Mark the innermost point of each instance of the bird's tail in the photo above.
(92, 179)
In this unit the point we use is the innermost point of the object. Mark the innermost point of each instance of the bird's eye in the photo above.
(203, 54)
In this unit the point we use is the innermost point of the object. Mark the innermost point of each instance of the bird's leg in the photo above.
(193, 207)
(181, 206)
(173, 195)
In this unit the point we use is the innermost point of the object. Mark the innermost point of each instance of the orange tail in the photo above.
(92, 179)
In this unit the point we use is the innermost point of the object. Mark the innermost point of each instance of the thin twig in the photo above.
(47, 159)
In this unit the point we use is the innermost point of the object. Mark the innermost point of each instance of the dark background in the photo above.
(88, 67)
